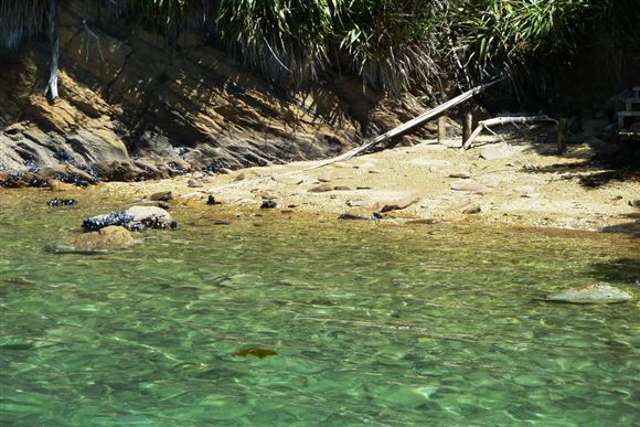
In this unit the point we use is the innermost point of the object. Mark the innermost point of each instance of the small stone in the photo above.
(342, 188)
(163, 196)
(460, 174)
(475, 209)
(352, 217)
(195, 183)
(399, 204)
(269, 204)
(324, 178)
(56, 203)
(72, 250)
(364, 187)
(594, 294)
(355, 203)
(221, 222)
(212, 201)
(469, 186)
(323, 188)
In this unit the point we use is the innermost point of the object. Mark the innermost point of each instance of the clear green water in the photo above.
(372, 325)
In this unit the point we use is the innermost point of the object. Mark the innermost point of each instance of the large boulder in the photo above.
(136, 218)
(111, 237)
(594, 294)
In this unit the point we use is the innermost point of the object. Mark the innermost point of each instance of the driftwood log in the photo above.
(413, 123)
(499, 121)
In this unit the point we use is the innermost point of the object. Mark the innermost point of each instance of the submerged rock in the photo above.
(258, 352)
(72, 250)
(594, 294)
(111, 237)
(56, 203)
(353, 217)
(136, 218)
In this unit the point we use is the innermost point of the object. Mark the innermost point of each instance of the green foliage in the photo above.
(391, 44)
(286, 39)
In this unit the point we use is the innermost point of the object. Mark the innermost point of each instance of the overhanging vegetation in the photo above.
(393, 45)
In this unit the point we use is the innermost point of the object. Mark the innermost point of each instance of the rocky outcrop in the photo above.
(134, 107)
(136, 218)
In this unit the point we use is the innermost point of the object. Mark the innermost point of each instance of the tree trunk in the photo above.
(52, 84)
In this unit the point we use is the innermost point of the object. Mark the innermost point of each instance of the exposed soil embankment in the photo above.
(133, 106)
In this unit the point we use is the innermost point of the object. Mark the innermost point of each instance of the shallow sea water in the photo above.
(371, 324)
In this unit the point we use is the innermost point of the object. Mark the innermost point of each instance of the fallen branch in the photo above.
(417, 121)
(388, 135)
(499, 121)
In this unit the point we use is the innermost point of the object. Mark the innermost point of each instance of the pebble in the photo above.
(321, 189)
(269, 204)
(475, 209)
(469, 186)
(459, 174)
(163, 196)
(56, 203)
(212, 201)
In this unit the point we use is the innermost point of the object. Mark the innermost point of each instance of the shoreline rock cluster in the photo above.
(136, 218)
(114, 230)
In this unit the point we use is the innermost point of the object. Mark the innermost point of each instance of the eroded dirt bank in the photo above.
(515, 183)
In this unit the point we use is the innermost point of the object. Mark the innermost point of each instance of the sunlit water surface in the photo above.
(371, 324)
